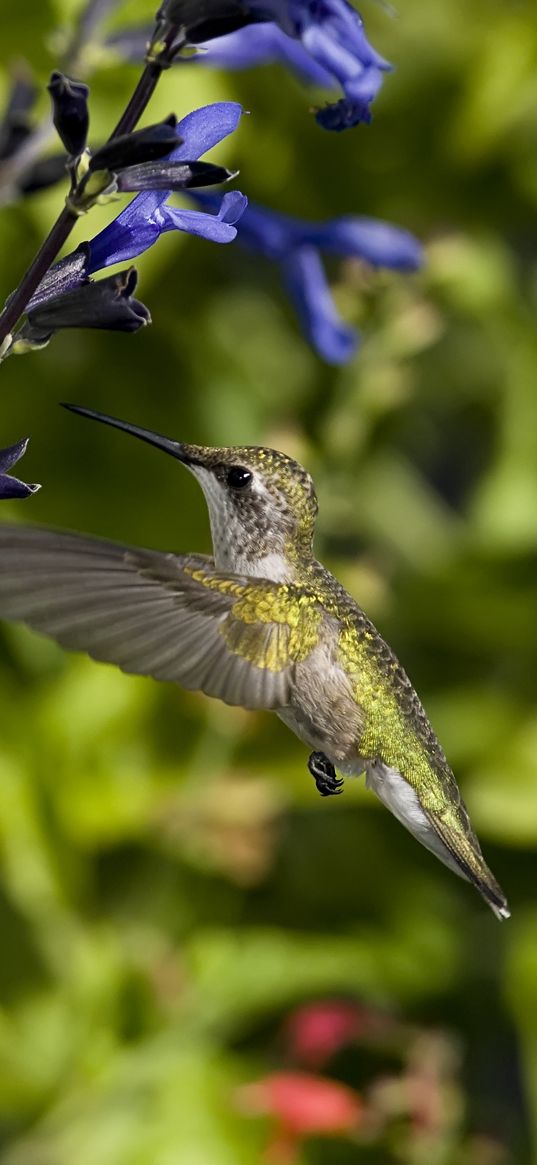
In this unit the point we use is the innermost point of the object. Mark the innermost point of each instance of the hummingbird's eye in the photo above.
(238, 477)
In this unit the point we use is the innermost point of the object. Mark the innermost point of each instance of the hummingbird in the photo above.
(261, 625)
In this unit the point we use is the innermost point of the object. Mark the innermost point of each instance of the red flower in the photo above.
(302, 1106)
(316, 1031)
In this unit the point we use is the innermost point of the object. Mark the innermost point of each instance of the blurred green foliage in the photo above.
(171, 884)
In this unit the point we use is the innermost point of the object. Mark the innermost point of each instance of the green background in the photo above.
(171, 884)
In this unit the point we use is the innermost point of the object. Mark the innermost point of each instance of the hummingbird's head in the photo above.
(262, 508)
(262, 504)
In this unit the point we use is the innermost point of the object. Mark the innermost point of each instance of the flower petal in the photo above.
(141, 223)
(336, 57)
(378, 242)
(233, 206)
(218, 228)
(130, 234)
(336, 23)
(13, 453)
(12, 487)
(260, 44)
(306, 283)
(62, 276)
(274, 235)
(147, 217)
(332, 34)
(265, 231)
(204, 128)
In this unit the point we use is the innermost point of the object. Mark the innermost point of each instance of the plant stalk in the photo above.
(65, 222)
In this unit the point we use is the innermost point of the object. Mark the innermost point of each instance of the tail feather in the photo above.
(446, 834)
(486, 883)
(466, 854)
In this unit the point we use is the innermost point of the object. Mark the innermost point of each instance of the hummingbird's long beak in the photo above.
(184, 453)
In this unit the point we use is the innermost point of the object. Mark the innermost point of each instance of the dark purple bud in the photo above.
(64, 276)
(16, 122)
(172, 176)
(200, 20)
(12, 487)
(46, 172)
(106, 304)
(70, 112)
(145, 145)
(343, 114)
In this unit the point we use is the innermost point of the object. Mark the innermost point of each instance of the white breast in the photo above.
(402, 800)
(271, 566)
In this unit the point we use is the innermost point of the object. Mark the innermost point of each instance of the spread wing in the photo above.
(170, 617)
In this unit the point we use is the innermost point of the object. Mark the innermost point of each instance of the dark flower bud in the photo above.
(70, 112)
(63, 276)
(16, 123)
(172, 176)
(107, 304)
(12, 487)
(145, 145)
(201, 20)
(343, 114)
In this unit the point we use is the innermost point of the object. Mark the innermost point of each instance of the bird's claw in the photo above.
(324, 775)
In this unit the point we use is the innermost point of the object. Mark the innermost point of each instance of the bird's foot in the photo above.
(324, 775)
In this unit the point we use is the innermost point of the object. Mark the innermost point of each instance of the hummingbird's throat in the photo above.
(237, 551)
(244, 543)
(273, 566)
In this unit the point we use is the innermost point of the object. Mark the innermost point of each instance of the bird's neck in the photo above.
(279, 564)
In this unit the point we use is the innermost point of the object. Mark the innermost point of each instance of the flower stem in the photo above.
(65, 222)
(142, 94)
(36, 271)
(147, 84)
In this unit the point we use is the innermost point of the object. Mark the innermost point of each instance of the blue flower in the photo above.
(260, 44)
(11, 487)
(322, 40)
(66, 296)
(149, 215)
(296, 245)
(335, 50)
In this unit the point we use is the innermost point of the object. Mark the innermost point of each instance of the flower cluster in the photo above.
(322, 40)
(149, 215)
(67, 297)
(332, 33)
(296, 246)
(412, 1089)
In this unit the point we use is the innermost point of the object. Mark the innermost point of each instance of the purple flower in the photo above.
(149, 215)
(333, 50)
(261, 44)
(297, 245)
(66, 297)
(322, 40)
(11, 487)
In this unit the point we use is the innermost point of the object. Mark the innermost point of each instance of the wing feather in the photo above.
(172, 617)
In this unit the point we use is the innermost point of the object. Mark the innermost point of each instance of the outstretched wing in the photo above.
(173, 618)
